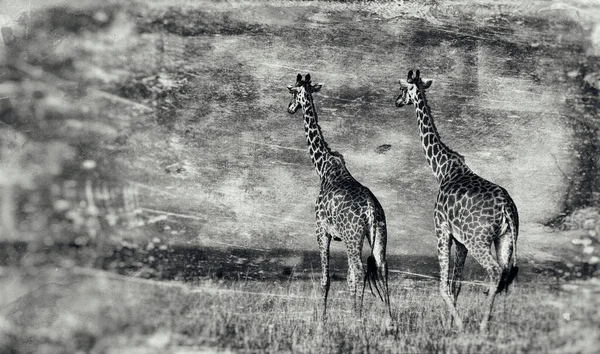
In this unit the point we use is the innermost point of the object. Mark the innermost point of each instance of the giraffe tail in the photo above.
(371, 277)
(512, 219)
(372, 273)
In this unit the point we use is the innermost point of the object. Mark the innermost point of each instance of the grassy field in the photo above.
(80, 310)
(155, 196)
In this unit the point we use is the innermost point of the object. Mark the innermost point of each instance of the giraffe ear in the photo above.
(409, 77)
(292, 89)
(426, 84)
(403, 82)
(316, 87)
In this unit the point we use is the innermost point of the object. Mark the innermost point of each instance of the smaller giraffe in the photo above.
(470, 211)
(345, 209)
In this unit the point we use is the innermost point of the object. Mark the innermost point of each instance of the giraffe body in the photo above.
(470, 212)
(345, 209)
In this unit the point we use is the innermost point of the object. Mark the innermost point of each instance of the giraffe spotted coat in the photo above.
(470, 211)
(345, 210)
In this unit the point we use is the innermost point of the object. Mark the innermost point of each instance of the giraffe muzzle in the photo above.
(292, 108)
(400, 101)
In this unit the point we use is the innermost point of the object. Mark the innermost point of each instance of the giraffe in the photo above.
(469, 211)
(345, 209)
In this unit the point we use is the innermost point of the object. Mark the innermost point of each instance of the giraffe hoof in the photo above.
(459, 327)
(390, 326)
(455, 324)
(483, 328)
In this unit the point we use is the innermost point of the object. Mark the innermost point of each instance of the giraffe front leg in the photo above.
(444, 246)
(323, 240)
(457, 273)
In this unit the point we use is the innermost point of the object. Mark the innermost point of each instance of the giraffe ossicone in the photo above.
(345, 209)
(471, 212)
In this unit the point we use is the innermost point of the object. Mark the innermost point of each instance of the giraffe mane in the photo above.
(338, 155)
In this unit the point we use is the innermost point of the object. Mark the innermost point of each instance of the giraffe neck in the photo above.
(320, 153)
(443, 161)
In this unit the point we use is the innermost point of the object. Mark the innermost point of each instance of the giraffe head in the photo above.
(410, 88)
(301, 92)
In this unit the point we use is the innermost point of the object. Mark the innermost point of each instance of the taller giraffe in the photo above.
(345, 209)
(469, 210)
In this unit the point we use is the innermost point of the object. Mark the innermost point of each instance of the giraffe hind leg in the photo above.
(460, 256)
(355, 264)
(487, 261)
(323, 240)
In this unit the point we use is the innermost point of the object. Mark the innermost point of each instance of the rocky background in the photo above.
(135, 122)
(156, 197)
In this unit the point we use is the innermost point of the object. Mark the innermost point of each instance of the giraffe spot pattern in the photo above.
(345, 209)
(469, 211)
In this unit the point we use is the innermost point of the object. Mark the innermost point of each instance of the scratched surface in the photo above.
(151, 139)
(228, 164)
(499, 97)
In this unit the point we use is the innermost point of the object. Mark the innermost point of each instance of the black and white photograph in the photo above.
(299, 176)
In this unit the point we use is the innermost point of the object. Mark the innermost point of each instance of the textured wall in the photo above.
(227, 154)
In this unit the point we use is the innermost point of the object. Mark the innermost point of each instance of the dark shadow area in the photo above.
(191, 263)
(584, 191)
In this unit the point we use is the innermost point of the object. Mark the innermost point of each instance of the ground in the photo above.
(157, 197)
(79, 309)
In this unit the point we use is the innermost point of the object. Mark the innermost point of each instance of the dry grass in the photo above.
(66, 311)
(189, 102)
